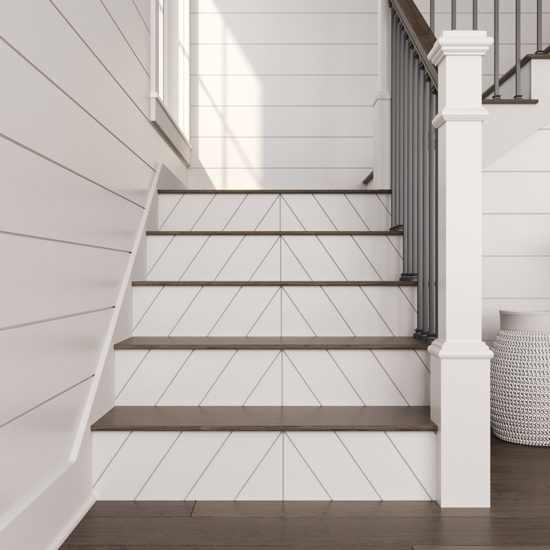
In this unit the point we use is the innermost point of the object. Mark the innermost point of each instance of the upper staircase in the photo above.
(272, 356)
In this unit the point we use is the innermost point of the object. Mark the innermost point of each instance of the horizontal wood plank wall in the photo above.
(79, 155)
(516, 231)
(282, 93)
(486, 22)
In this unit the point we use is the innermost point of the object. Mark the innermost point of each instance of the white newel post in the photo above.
(382, 103)
(460, 361)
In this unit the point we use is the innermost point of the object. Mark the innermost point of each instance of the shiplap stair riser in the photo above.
(338, 463)
(274, 258)
(274, 311)
(274, 212)
(271, 378)
(264, 465)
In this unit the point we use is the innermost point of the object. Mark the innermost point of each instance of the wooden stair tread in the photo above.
(266, 419)
(512, 71)
(274, 191)
(271, 342)
(510, 101)
(274, 283)
(278, 233)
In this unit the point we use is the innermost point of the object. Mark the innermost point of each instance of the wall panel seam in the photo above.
(125, 39)
(46, 401)
(66, 94)
(49, 239)
(58, 318)
(37, 153)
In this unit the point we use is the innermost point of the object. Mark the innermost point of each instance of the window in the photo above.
(170, 73)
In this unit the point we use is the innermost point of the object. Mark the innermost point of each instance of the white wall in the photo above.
(78, 156)
(516, 204)
(282, 93)
(516, 231)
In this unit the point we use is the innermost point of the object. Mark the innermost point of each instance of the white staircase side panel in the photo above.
(266, 466)
(525, 120)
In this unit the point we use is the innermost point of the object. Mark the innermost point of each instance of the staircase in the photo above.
(271, 357)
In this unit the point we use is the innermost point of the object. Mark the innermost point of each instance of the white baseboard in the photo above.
(72, 523)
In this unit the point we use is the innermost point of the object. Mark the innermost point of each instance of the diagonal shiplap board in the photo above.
(277, 466)
(274, 258)
(274, 311)
(271, 377)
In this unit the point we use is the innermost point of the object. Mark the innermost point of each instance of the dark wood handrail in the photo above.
(420, 34)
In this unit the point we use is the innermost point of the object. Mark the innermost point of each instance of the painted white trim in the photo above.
(382, 96)
(457, 114)
(162, 120)
(36, 494)
(160, 115)
(460, 43)
(72, 523)
(459, 350)
(163, 177)
(459, 359)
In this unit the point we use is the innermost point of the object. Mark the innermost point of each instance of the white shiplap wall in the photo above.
(516, 231)
(282, 93)
(78, 157)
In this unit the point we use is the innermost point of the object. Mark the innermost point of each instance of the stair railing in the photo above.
(537, 31)
(414, 156)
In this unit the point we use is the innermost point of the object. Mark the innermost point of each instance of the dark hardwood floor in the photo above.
(519, 517)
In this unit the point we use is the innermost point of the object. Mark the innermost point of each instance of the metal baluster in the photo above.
(414, 178)
(432, 221)
(539, 27)
(409, 202)
(407, 159)
(420, 206)
(426, 217)
(496, 94)
(432, 15)
(393, 152)
(518, 50)
(402, 125)
(475, 14)
(453, 14)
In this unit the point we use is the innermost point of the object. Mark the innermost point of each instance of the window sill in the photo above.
(168, 128)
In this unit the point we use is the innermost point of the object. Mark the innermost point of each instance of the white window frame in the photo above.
(170, 73)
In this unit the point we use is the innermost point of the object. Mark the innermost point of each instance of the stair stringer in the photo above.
(509, 124)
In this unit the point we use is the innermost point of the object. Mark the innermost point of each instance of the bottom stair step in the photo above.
(266, 419)
(265, 453)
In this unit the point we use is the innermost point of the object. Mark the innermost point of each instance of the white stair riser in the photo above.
(264, 465)
(274, 311)
(274, 258)
(271, 378)
(273, 212)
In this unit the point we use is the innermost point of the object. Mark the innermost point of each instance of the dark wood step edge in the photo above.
(274, 191)
(277, 233)
(511, 72)
(271, 343)
(510, 101)
(275, 283)
(223, 418)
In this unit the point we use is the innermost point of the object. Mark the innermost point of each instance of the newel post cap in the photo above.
(460, 43)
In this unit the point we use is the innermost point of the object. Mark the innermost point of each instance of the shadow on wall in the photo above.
(282, 98)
